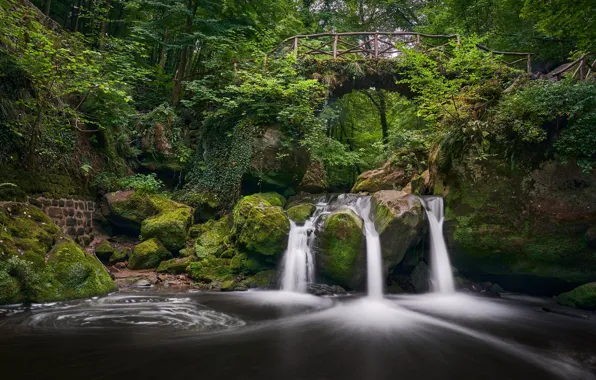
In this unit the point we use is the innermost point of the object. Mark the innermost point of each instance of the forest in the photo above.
(333, 166)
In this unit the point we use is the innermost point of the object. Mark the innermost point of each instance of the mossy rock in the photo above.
(128, 210)
(211, 269)
(175, 266)
(213, 237)
(300, 213)
(119, 256)
(399, 221)
(273, 198)
(205, 203)
(170, 226)
(260, 227)
(582, 297)
(233, 286)
(340, 249)
(148, 254)
(385, 178)
(262, 280)
(104, 250)
(12, 193)
(78, 274)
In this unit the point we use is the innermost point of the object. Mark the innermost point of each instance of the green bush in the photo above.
(142, 183)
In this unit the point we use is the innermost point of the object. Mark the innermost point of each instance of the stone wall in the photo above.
(73, 216)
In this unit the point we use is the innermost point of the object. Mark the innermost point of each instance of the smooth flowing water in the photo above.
(374, 261)
(292, 336)
(441, 272)
(298, 267)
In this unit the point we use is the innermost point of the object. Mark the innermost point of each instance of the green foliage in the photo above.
(142, 183)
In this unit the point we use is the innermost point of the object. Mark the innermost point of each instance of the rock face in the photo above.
(583, 297)
(384, 178)
(148, 254)
(38, 264)
(315, 179)
(261, 227)
(340, 249)
(522, 224)
(399, 220)
(300, 213)
(274, 166)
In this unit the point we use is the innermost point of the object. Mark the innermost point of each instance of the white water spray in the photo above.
(299, 266)
(441, 274)
(374, 261)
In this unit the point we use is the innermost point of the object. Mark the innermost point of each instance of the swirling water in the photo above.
(288, 335)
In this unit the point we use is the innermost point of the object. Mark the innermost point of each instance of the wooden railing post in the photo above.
(529, 63)
(336, 38)
(376, 42)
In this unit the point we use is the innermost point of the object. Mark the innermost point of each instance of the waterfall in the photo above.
(298, 268)
(374, 261)
(441, 274)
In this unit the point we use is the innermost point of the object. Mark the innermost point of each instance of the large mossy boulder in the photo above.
(205, 203)
(301, 213)
(213, 237)
(315, 179)
(261, 227)
(520, 223)
(399, 220)
(39, 264)
(170, 226)
(152, 216)
(341, 257)
(148, 254)
(582, 297)
(387, 177)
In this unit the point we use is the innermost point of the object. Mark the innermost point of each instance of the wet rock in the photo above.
(120, 255)
(301, 213)
(232, 286)
(582, 297)
(104, 250)
(340, 249)
(399, 220)
(143, 283)
(262, 280)
(420, 278)
(325, 290)
(175, 266)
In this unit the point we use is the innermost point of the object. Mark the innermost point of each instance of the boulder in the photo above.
(262, 280)
(582, 297)
(340, 249)
(420, 278)
(205, 203)
(212, 237)
(301, 213)
(260, 227)
(38, 264)
(170, 226)
(127, 210)
(211, 269)
(233, 286)
(399, 220)
(104, 250)
(148, 254)
(275, 199)
(385, 178)
(119, 256)
(175, 266)
(275, 166)
(315, 179)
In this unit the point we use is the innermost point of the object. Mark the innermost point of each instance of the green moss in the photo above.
(582, 297)
(205, 203)
(175, 266)
(128, 209)
(211, 269)
(262, 280)
(274, 199)
(10, 289)
(104, 250)
(340, 247)
(212, 237)
(119, 255)
(300, 214)
(170, 227)
(261, 227)
(148, 254)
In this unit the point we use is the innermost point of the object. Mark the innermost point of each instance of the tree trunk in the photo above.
(180, 72)
(162, 53)
(383, 115)
(46, 7)
(103, 33)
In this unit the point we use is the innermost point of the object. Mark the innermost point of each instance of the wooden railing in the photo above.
(374, 45)
(580, 68)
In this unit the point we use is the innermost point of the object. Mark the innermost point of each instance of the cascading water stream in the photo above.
(374, 261)
(298, 266)
(441, 273)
